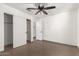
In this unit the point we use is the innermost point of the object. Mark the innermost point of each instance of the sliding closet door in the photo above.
(19, 31)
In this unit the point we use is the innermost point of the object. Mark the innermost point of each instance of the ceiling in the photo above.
(60, 7)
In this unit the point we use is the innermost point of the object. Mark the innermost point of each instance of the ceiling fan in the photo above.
(41, 8)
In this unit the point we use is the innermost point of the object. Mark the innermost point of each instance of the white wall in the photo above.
(19, 31)
(18, 16)
(61, 28)
(78, 29)
(39, 30)
(1, 32)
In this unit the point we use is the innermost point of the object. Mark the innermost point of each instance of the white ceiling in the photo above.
(60, 7)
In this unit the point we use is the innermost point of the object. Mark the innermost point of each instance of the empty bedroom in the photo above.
(39, 29)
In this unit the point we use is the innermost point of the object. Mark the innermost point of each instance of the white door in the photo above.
(39, 30)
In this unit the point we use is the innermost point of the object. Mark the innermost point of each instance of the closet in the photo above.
(28, 31)
(8, 31)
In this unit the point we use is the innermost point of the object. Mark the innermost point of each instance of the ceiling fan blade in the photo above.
(37, 12)
(45, 12)
(32, 9)
(51, 7)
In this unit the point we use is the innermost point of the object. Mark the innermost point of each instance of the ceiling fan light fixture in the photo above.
(41, 8)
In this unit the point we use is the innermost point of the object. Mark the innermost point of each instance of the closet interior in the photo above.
(8, 31)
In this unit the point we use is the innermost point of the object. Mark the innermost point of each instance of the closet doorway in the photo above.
(8, 31)
(28, 30)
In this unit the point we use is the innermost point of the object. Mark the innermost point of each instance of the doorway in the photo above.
(8, 31)
(28, 31)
